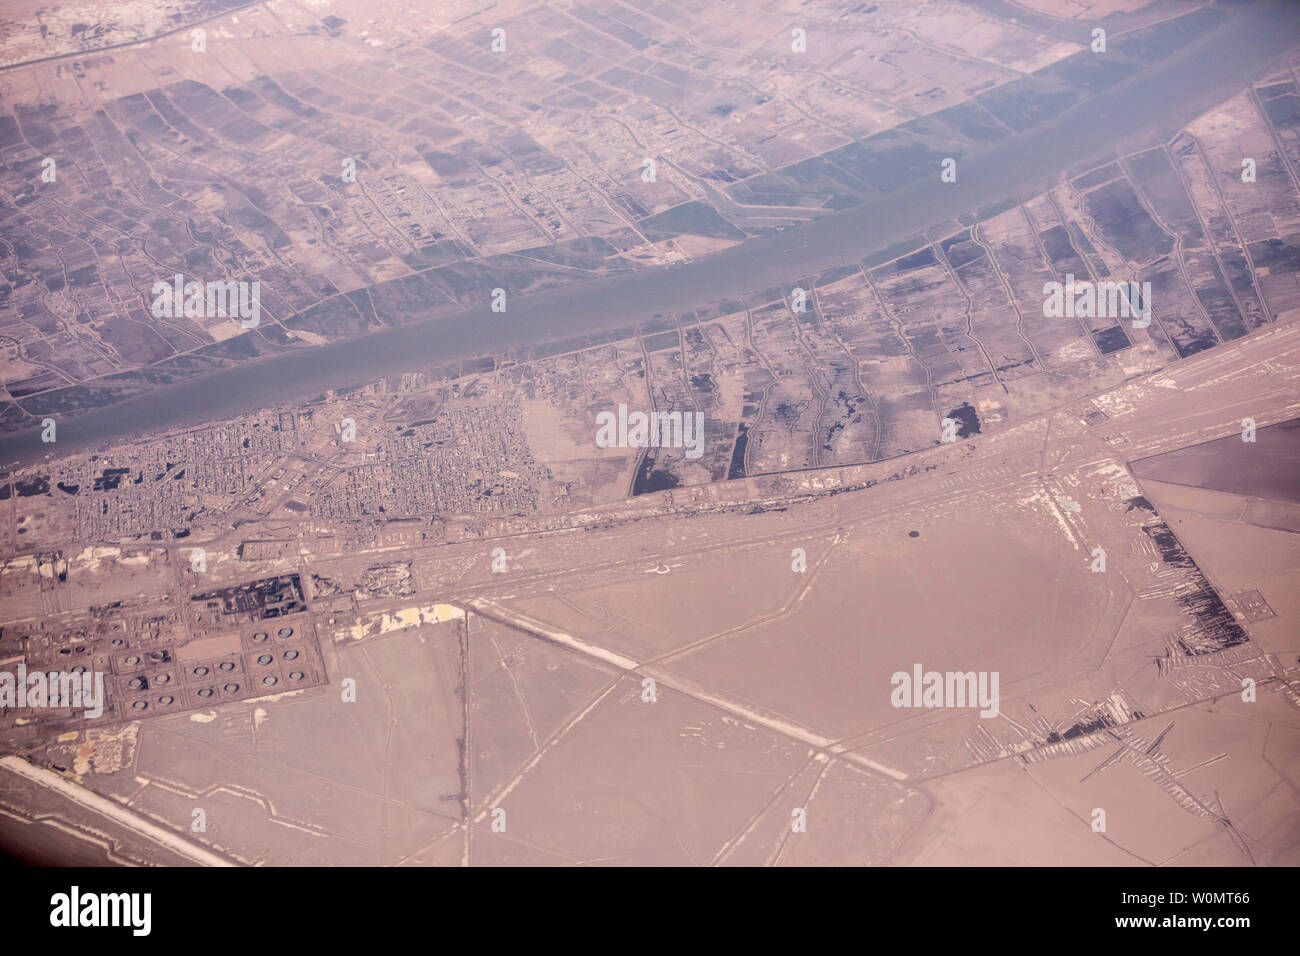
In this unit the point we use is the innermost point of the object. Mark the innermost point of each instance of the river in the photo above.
(1148, 106)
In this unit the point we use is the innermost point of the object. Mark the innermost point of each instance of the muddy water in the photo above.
(1155, 101)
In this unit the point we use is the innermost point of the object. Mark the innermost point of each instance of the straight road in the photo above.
(1148, 107)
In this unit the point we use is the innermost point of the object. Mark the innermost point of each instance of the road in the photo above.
(1147, 107)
